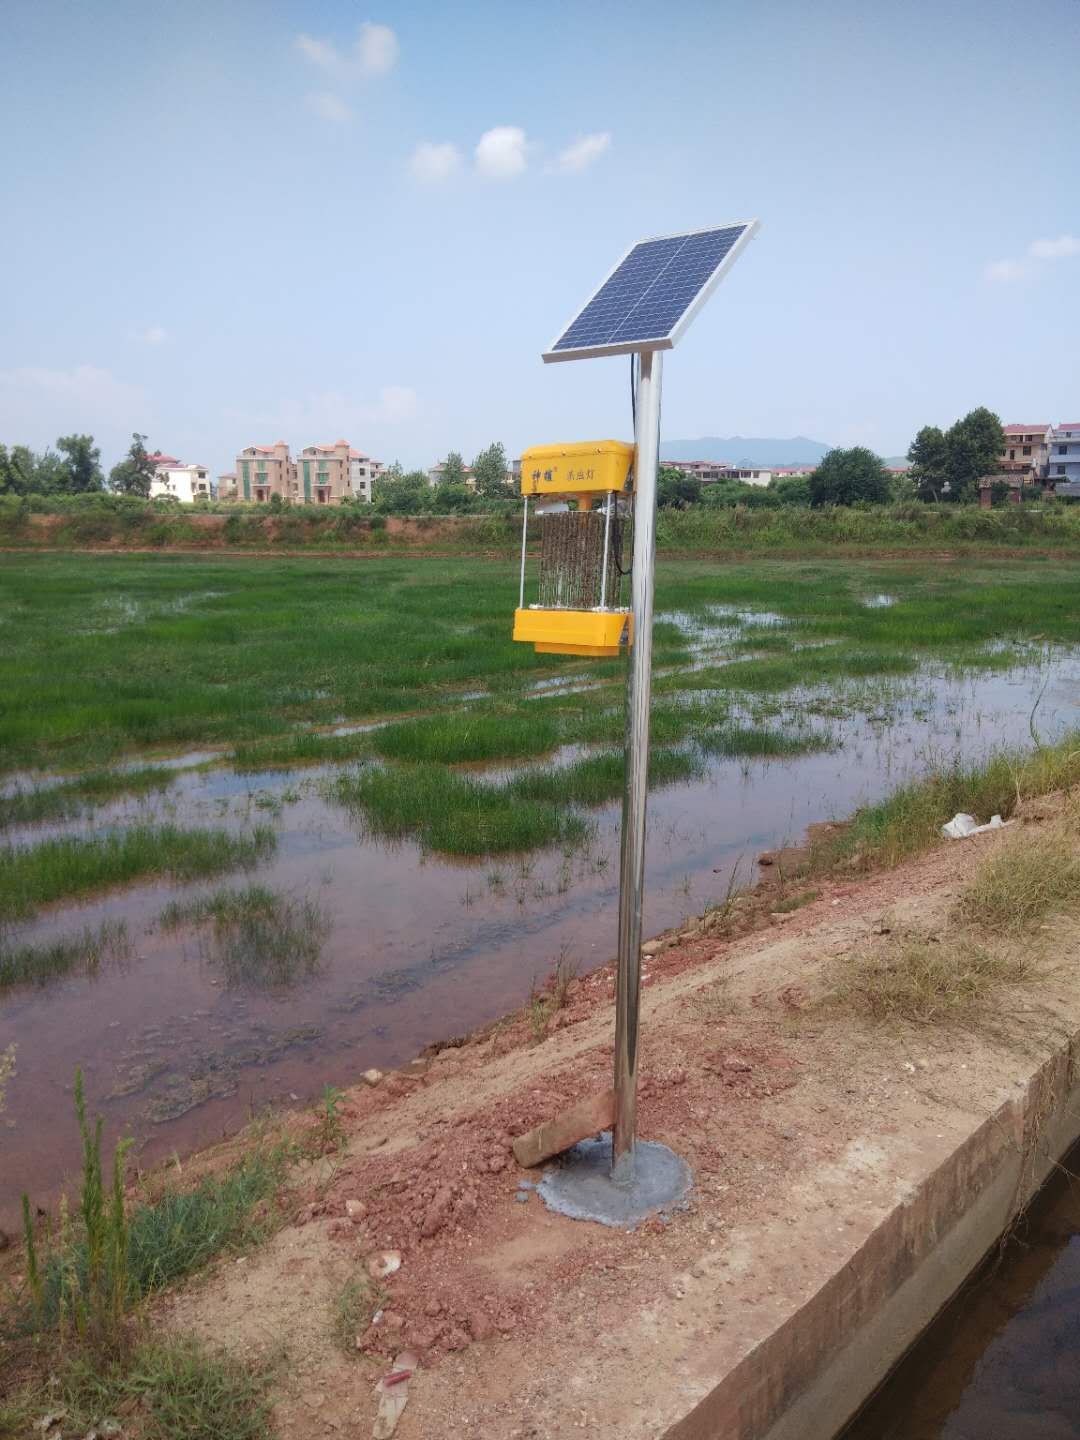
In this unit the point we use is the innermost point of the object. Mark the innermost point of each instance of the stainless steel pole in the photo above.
(635, 784)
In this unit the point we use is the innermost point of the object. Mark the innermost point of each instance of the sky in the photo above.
(230, 223)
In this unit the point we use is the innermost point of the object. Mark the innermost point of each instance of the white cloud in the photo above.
(1063, 248)
(395, 405)
(152, 335)
(374, 52)
(432, 163)
(501, 152)
(328, 106)
(376, 48)
(584, 152)
(318, 51)
(1060, 249)
(1004, 271)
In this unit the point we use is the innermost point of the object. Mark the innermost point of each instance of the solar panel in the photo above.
(653, 293)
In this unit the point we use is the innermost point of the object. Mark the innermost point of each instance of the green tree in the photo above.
(791, 489)
(490, 469)
(398, 493)
(973, 449)
(22, 472)
(675, 490)
(132, 476)
(929, 457)
(82, 464)
(846, 477)
(453, 472)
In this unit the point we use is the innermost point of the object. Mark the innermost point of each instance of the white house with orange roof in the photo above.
(177, 481)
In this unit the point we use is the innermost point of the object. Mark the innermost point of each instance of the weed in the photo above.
(795, 902)
(74, 797)
(330, 1124)
(51, 870)
(552, 996)
(472, 735)
(918, 978)
(85, 954)
(751, 741)
(1023, 879)
(7, 1072)
(257, 938)
(911, 817)
(175, 1389)
(353, 1308)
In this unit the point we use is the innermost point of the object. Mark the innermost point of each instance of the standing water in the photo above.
(179, 1051)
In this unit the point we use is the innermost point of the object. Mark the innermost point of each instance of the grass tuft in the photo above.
(1025, 878)
(175, 1389)
(352, 1311)
(257, 938)
(75, 797)
(918, 978)
(34, 875)
(85, 954)
(754, 742)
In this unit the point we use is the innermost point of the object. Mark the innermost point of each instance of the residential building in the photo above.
(1026, 452)
(1064, 461)
(263, 471)
(226, 486)
(704, 470)
(329, 474)
(186, 483)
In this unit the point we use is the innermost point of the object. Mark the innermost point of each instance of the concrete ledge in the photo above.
(813, 1373)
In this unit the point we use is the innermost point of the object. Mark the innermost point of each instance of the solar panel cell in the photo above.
(651, 293)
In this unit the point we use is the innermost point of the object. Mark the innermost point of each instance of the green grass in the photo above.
(257, 939)
(473, 734)
(35, 875)
(452, 813)
(111, 655)
(455, 814)
(74, 797)
(168, 1389)
(910, 819)
(754, 742)
(83, 954)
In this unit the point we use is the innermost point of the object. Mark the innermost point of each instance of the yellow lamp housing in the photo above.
(579, 582)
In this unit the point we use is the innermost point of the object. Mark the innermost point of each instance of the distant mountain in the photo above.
(742, 451)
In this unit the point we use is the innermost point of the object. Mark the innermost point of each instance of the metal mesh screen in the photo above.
(572, 561)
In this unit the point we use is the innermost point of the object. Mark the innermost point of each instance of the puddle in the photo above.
(878, 602)
(422, 948)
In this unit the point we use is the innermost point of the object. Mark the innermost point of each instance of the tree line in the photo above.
(73, 467)
(945, 466)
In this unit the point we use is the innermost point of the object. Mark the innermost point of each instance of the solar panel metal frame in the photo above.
(669, 340)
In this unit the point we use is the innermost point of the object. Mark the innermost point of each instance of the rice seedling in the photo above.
(291, 752)
(75, 797)
(82, 954)
(257, 938)
(35, 875)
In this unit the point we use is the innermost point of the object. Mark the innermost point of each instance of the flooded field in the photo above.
(378, 898)
(418, 947)
(1000, 1362)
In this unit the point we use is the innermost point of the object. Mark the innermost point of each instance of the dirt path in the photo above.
(802, 1126)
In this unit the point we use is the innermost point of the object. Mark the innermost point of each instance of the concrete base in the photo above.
(581, 1186)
